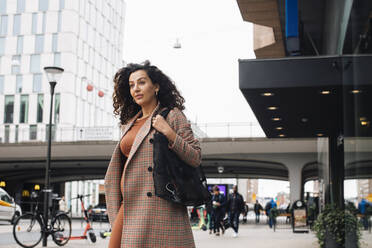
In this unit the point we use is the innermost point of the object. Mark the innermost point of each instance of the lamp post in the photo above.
(53, 74)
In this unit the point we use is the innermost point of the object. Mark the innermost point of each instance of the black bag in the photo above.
(174, 180)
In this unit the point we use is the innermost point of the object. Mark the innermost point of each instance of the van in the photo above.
(9, 210)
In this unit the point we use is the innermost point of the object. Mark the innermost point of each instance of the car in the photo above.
(99, 212)
(9, 210)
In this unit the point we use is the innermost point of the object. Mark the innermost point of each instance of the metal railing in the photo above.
(12, 134)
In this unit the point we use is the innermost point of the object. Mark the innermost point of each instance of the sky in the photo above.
(213, 37)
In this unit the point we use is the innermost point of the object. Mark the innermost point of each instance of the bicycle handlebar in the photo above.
(80, 196)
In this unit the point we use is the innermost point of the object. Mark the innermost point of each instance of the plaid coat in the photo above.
(150, 221)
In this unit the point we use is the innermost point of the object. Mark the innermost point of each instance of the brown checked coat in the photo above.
(150, 221)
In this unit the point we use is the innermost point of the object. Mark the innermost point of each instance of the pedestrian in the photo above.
(62, 204)
(245, 212)
(210, 216)
(218, 204)
(257, 211)
(139, 218)
(362, 207)
(270, 205)
(235, 206)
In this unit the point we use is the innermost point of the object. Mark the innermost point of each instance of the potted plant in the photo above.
(338, 228)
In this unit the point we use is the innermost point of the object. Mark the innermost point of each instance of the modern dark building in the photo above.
(312, 77)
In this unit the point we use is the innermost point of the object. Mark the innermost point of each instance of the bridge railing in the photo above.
(27, 133)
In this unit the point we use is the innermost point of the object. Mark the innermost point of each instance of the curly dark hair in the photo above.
(123, 103)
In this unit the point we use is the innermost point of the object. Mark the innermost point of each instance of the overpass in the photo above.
(296, 160)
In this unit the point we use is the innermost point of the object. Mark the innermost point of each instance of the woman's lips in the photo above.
(139, 96)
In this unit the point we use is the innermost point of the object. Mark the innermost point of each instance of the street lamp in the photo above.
(53, 75)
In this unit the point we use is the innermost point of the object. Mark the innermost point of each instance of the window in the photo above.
(16, 133)
(17, 25)
(44, 22)
(2, 6)
(57, 102)
(61, 4)
(37, 80)
(19, 84)
(33, 132)
(16, 64)
(7, 133)
(20, 44)
(57, 59)
(35, 63)
(2, 46)
(34, 23)
(4, 25)
(39, 43)
(23, 112)
(1, 84)
(54, 42)
(9, 109)
(40, 107)
(43, 5)
(20, 6)
(59, 21)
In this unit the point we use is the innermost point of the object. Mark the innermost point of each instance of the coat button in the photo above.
(149, 194)
(149, 169)
(151, 140)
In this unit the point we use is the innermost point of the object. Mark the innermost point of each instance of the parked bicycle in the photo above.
(88, 231)
(29, 228)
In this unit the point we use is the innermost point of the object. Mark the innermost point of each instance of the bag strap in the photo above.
(165, 113)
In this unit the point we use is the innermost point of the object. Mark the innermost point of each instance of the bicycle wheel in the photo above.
(61, 225)
(27, 230)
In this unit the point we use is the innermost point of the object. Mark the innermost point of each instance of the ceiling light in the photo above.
(356, 91)
(272, 108)
(304, 119)
(276, 119)
(325, 92)
(364, 123)
(267, 94)
(281, 135)
(279, 128)
(362, 118)
(319, 134)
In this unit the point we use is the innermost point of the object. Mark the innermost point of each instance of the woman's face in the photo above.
(142, 88)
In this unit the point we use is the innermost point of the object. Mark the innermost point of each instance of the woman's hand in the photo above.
(162, 126)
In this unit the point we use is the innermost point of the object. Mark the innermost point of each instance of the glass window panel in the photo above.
(57, 59)
(2, 6)
(7, 134)
(2, 46)
(43, 5)
(20, 44)
(39, 43)
(23, 112)
(16, 133)
(16, 64)
(33, 132)
(4, 25)
(40, 107)
(59, 21)
(61, 4)
(17, 25)
(21, 6)
(44, 22)
(57, 102)
(37, 80)
(9, 109)
(1, 84)
(19, 83)
(34, 23)
(54, 42)
(35, 63)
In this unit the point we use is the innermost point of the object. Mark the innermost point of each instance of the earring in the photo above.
(156, 92)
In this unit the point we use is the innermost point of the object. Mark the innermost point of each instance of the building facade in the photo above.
(85, 38)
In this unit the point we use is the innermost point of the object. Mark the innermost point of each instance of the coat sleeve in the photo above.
(185, 145)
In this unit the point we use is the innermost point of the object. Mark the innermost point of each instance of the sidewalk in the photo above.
(250, 235)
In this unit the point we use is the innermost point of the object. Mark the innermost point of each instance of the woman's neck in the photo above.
(148, 109)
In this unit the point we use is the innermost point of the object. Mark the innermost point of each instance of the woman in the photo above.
(138, 217)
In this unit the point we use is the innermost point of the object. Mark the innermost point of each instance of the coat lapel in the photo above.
(142, 133)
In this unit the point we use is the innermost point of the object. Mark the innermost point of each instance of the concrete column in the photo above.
(295, 181)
